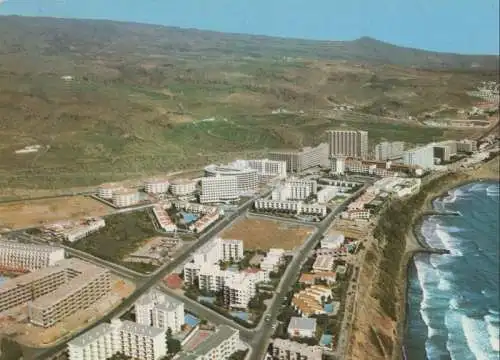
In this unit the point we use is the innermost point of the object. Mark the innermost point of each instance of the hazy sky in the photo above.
(466, 26)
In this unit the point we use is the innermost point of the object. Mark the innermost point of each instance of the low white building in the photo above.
(28, 257)
(83, 229)
(159, 310)
(292, 350)
(333, 240)
(300, 327)
(218, 345)
(296, 207)
(125, 197)
(164, 221)
(182, 187)
(157, 185)
(272, 260)
(323, 263)
(126, 337)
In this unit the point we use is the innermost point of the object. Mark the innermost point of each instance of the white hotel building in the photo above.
(297, 207)
(156, 185)
(421, 156)
(219, 188)
(134, 340)
(183, 187)
(218, 345)
(160, 311)
(28, 257)
(125, 197)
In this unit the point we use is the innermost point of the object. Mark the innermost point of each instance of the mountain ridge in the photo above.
(363, 49)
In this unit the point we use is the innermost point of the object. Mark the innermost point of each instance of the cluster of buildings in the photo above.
(310, 301)
(73, 230)
(238, 287)
(52, 293)
(224, 183)
(295, 196)
(206, 215)
(156, 317)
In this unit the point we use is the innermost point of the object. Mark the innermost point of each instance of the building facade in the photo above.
(219, 188)
(156, 185)
(337, 165)
(159, 310)
(389, 150)
(28, 257)
(296, 207)
(131, 339)
(182, 187)
(421, 156)
(218, 345)
(300, 160)
(352, 143)
(246, 177)
(291, 350)
(125, 197)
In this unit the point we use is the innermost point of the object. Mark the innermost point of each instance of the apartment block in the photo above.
(389, 150)
(28, 257)
(295, 189)
(159, 185)
(219, 188)
(297, 207)
(134, 340)
(337, 165)
(466, 145)
(352, 143)
(160, 311)
(246, 177)
(268, 169)
(292, 350)
(87, 285)
(272, 260)
(300, 160)
(209, 345)
(99, 343)
(420, 156)
(445, 150)
(326, 194)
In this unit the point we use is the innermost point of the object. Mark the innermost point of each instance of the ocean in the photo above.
(453, 300)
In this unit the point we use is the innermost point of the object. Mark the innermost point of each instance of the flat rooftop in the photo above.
(204, 341)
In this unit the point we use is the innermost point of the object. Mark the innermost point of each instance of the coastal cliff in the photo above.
(379, 313)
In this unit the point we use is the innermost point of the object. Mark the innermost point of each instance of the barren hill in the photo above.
(109, 100)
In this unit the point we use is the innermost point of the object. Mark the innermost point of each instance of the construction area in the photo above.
(32, 213)
(263, 234)
(14, 322)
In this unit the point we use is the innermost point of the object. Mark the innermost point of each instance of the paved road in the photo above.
(152, 280)
(264, 331)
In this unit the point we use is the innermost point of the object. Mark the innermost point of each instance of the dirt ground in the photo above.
(21, 214)
(14, 322)
(265, 234)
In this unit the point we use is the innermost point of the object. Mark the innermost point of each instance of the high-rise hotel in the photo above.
(350, 143)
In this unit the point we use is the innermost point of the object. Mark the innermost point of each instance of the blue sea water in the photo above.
(453, 300)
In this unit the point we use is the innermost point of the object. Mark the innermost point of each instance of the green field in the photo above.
(122, 235)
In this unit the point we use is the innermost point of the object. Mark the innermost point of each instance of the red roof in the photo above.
(173, 281)
(251, 270)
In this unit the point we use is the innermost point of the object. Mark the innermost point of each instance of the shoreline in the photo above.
(416, 239)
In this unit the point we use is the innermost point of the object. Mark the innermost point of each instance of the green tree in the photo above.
(173, 346)
(10, 350)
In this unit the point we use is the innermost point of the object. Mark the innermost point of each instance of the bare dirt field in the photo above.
(22, 214)
(14, 323)
(265, 234)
